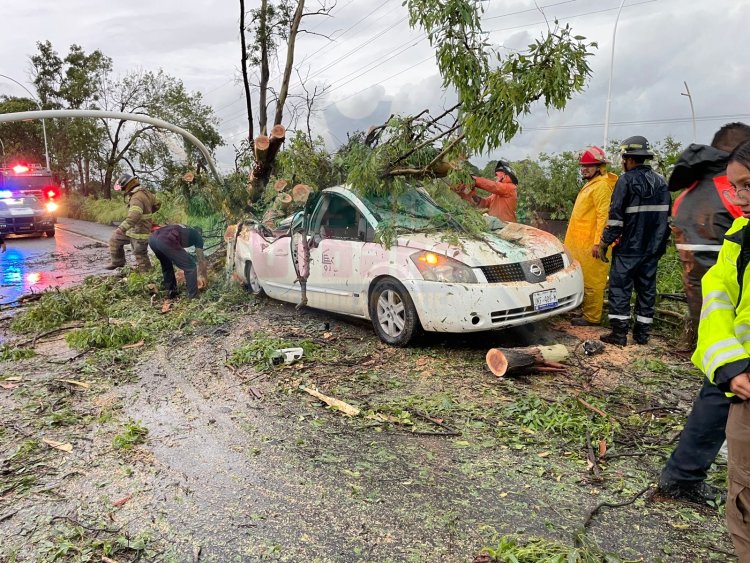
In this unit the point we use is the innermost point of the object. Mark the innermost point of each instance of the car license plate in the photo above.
(544, 299)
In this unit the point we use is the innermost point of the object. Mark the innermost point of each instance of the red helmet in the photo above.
(593, 155)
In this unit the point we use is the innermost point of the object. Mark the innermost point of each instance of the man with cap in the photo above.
(503, 199)
(136, 228)
(639, 225)
(169, 244)
(585, 228)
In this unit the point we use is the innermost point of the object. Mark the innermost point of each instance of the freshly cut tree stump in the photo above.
(300, 193)
(502, 361)
(280, 185)
(262, 142)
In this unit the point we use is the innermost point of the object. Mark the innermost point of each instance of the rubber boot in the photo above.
(641, 333)
(619, 334)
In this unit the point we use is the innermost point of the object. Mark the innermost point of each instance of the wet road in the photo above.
(33, 264)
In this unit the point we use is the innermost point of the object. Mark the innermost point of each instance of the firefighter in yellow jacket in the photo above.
(136, 228)
(586, 224)
(723, 349)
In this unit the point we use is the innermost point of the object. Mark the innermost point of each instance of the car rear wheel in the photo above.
(50, 234)
(393, 314)
(253, 283)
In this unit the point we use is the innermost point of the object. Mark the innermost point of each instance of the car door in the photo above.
(335, 282)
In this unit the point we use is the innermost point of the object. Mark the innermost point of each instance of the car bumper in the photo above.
(482, 306)
(24, 225)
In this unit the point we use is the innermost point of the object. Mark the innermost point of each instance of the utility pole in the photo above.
(611, 73)
(692, 109)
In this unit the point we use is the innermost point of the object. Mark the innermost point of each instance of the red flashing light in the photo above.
(20, 168)
(51, 194)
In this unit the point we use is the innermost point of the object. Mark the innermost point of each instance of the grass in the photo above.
(261, 351)
(134, 433)
(13, 353)
(513, 549)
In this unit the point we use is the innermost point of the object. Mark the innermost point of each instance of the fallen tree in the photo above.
(507, 361)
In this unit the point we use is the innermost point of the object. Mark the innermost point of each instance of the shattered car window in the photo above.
(412, 209)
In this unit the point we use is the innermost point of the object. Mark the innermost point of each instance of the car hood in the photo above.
(513, 243)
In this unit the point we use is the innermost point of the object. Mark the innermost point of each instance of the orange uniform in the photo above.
(503, 198)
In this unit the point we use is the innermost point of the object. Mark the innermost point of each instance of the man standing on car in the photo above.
(136, 228)
(701, 216)
(639, 222)
(585, 228)
(169, 244)
(503, 199)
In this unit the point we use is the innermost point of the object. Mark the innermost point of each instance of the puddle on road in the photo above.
(33, 265)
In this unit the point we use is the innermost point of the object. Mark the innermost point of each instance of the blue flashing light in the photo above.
(5, 194)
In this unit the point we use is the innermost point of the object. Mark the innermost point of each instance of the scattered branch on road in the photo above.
(590, 516)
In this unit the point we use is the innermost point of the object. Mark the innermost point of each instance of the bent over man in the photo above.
(585, 228)
(136, 228)
(169, 244)
(503, 199)
(639, 222)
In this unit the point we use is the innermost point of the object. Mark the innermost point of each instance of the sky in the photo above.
(375, 65)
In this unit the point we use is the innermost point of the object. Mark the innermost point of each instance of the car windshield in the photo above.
(413, 209)
(20, 202)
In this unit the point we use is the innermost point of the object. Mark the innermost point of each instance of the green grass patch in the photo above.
(105, 335)
(12, 353)
(513, 549)
(133, 434)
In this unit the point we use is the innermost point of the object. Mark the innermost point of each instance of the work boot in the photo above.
(619, 334)
(641, 333)
(698, 492)
(582, 321)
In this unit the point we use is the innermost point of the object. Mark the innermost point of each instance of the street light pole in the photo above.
(692, 109)
(611, 73)
(44, 127)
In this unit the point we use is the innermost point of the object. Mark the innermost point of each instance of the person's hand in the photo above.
(599, 251)
(202, 282)
(740, 386)
(119, 231)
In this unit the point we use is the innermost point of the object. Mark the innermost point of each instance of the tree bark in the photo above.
(264, 72)
(502, 361)
(245, 79)
(294, 28)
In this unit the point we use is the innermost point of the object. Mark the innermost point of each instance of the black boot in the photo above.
(641, 333)
(619, 334)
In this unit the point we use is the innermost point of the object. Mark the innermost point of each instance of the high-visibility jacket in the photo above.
(503, 198)
(723, 349)
(587, 222)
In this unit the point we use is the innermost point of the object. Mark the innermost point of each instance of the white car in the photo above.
(513, 275)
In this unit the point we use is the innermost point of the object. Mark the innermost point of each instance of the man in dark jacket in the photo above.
(701, 215)
(169, 244)
(639, 222)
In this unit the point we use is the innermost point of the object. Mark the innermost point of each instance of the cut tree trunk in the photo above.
(278, 134)
(300, 193)
(280, 185)
(502, 361)
(262, 143)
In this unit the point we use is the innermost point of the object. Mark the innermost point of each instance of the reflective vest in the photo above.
(724, 330)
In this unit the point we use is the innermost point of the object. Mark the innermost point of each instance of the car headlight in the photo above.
(437, 267)
(52, 207)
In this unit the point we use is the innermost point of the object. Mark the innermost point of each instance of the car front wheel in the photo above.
(393, 314)
(51, 233)
(253, 283)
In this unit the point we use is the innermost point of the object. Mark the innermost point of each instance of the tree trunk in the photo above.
(264, 72)
(245, 79)
(502, 361)
(300, 193)
(294, 28)
(262, 143)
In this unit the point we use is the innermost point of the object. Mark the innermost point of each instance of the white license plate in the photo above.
(544, 299)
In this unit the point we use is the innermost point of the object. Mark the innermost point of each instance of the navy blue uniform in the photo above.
(169, 244)
(639, 221)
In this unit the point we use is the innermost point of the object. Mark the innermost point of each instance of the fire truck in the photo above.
(29, 199)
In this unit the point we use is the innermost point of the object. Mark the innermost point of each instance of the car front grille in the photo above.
(524, 271)
(509, 315)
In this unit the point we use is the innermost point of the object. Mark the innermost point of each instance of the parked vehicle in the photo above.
(513, 275)
(25, 215)
(23, 179)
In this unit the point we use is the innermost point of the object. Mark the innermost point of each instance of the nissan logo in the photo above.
(536, 270)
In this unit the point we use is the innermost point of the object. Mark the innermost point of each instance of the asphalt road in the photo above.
(33, 264)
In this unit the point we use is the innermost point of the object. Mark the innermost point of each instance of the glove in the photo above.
(202, 282)
(600, 251)
(119, 231)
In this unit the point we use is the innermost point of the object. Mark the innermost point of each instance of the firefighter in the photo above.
(503, 198)
(701, 215)
(169, 244)
(723, 349)
(585, 229)
(136, 227)
(639, 222)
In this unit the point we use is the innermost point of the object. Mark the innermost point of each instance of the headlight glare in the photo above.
(437, 267)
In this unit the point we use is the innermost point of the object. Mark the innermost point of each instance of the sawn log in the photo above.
(502, 361)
